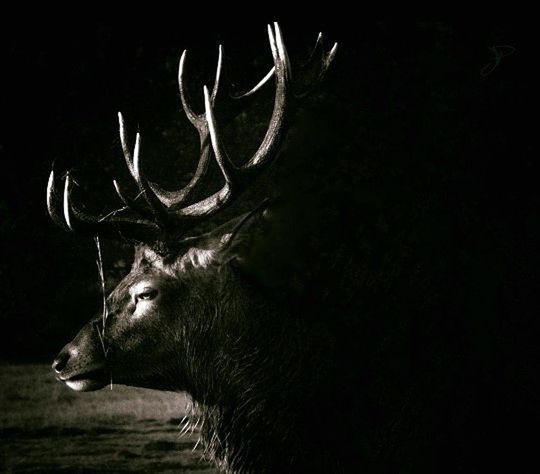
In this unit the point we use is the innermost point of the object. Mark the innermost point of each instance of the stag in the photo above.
(197, 313)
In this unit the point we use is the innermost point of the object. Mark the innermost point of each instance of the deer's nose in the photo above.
(61, 361)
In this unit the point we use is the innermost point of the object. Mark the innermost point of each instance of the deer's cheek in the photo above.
(142, 310)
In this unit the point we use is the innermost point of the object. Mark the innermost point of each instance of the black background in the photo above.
(437, 90)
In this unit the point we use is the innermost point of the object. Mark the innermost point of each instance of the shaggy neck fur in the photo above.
(247, 426)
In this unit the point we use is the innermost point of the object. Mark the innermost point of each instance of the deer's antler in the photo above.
(168, 211)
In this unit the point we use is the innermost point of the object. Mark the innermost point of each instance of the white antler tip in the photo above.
(181, 64)
(67, 214)
(117, 189)
(136, 156)
(50, 184)
(51, 180)
(270, 33)
(121, 121)
(280, 44)
(272, 40)
(137, 143)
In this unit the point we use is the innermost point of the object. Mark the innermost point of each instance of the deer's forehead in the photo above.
(149, 260)
(202, 255)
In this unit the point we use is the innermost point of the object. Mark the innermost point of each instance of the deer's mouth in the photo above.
(86, 381)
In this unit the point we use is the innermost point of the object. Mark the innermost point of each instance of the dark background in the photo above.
(443, 99)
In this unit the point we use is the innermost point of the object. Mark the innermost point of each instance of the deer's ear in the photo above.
(257, 248)
(222, 245)
(244, 234)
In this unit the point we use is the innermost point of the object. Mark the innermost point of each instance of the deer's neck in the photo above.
(246, 425)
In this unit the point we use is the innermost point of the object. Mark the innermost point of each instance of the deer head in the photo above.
(187, 297)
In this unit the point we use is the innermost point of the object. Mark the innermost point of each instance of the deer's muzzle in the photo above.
(80, 364)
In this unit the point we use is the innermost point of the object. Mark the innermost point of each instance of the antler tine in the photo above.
(283, 55)
(66, 203)
(192, 116)
(54, 202)
(133, 163)
(156, 204)
(226, 166)
(157, 208)
(218, 75)
(270, 73)
(325, 59)
(272, 40)
(140, 230)
(130, 162)
(198, 119)
(317, 48)
(257, 87)
(124, 142)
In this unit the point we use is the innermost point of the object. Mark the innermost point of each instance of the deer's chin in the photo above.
(86, 382)
(85, 385)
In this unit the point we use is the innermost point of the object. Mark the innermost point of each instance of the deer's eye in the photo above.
(146, 295)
